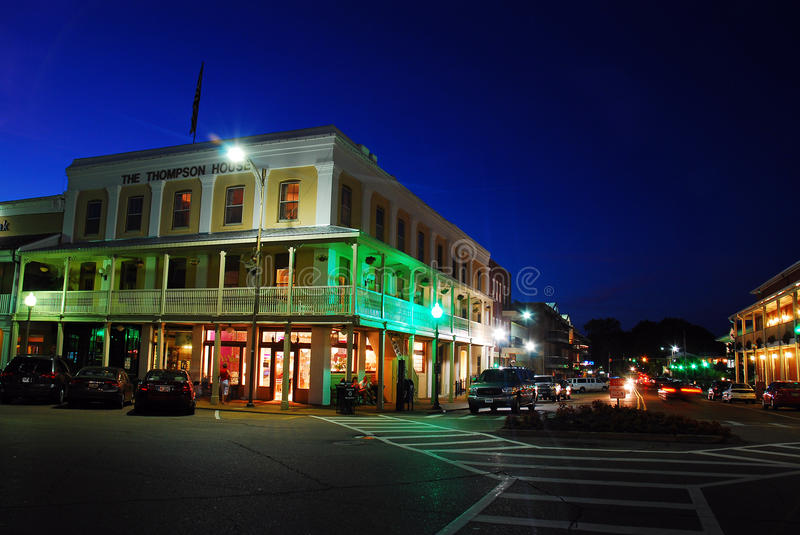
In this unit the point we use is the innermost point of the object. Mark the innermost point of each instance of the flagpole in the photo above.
(196, 103)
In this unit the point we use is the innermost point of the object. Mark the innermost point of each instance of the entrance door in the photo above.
(232, 356)
(279, 375)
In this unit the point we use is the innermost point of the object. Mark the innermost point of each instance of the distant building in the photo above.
(764, 336)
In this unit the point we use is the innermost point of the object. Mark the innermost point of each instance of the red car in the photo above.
(165, 389)
(781, 394)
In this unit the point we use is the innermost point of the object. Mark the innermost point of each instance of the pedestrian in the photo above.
(409, 397)
(224, 383)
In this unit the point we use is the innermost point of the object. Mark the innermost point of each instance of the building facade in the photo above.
(765, 334)
(307, 260)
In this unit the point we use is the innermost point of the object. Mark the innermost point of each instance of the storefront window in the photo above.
(304, 369)
(339, 360)
(264, 364)
(371, 361)
(419, 357)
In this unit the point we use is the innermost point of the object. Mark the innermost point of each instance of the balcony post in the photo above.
(106, 342)
(215, 364)
(794, 330)
(164, 274)
(221, 281)
(452, 308)
(383, 285)
(451, 372)
(354, 280)
(291, 281)
(110, 283)
(349, 360)
(18, 301)
(381, 356)
(64, 287)
(287, 365)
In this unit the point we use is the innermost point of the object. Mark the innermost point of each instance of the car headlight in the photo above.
(508, 390)
(473, 390)
(558, 389)
(536, 389)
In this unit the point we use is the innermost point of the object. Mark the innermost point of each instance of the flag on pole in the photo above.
(196, 104)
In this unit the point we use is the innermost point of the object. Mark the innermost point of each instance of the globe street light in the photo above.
(237, 155)
(436, 312)
(30, 302)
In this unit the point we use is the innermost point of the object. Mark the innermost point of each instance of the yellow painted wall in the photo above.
(26, 224)
(122, 210)
(402, 214)
(307, 207)
(421, 227)
(80, 214)
(172, 187)
(355, 211)
(218, 209)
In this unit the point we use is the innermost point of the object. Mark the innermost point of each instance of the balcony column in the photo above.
(796, 336)
(362, 355)
(64, 287)
(287, 358)
(220, 281)
(215, 364)
(451, 372)
(156, 203)
(381, 357)
(110, 283)
(60, 339)
(291, 281)
(327, 193)
(769, 373)
(161, 361)
(18, 301)
(106, 341)
(164, 276)
(349, 361)
(320, 393)
(354, 273)
(452, 308)
(206, 203)
(383, 285)
(12, 342)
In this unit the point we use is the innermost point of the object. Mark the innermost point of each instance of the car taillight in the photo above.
(75, 382)
(690, 389)
(668, 389)
(142, 387)
(7, 374)
(111, 383)
(51, 375)
(186, 387)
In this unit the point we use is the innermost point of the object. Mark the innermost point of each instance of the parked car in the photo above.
(545, 387)
(677, 390)
(165, 389)
(739, 392)
(35, 377)
(716, 388)
(501, 387)
(100, 384)
(781, 394)
(587, 384)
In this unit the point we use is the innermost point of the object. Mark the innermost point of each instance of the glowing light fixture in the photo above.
(236, 154)
(30, 300)
(437, 311)
(526, 315)
(530, 346)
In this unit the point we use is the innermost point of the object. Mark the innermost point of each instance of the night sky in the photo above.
(641, 156)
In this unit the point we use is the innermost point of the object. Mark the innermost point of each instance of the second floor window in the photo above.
(232, 270)
(290, 199)
(182, 209)
(421, 246)
(346, 209)
(401, 234)
(439, 256)
(133, 219)
(379, 228)
(234, 200)
(93, 210)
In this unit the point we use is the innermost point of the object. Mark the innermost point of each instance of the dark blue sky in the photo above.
(641, 156)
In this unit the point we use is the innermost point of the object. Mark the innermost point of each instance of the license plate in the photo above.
(26, 379)
(93, 385)
(488, 400)
(163, 389)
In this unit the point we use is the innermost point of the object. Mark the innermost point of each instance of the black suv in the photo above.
(35, 377)
(545, 387)
(501, 387)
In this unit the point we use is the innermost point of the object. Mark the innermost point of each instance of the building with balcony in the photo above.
(156, 265)
(765, 340)
(544, 340)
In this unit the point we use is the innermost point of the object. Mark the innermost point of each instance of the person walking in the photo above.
(224, 383)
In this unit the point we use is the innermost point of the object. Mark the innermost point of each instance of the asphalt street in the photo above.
(68, 470)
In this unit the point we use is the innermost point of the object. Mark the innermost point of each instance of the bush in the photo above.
(602, 417)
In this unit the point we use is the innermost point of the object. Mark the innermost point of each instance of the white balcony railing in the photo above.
(5, 303)
(131, 302)
(85, 302)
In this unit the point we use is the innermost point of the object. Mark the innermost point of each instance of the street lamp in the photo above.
(436, 312)
(30, 302)
(236, 155)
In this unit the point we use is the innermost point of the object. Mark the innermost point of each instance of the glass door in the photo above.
(279, 374)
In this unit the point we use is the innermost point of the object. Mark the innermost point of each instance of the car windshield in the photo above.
(544, 379)
(29, 365)
(104, 373)
(741, 385)
(498, 376)
(166, 375)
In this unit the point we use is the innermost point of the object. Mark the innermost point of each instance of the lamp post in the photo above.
(236, 154)
(436, 312)
(499, 333)
(30, 302)
(530, 347)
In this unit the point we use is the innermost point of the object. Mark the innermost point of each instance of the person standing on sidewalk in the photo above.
(224, 383)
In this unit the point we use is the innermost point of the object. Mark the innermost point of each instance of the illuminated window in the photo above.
(181, 209)
(379, 226)
(419, 357)
(232, 263)
(304, 369)
(401, 235)
(289, 201)
(346, 207)
(92, 225)
(234, 201)
(133, 219)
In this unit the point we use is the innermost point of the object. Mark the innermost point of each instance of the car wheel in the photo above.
(121, 404)
(493, 408)
(473, 409)
(60, 396)
(773, 405)
(582, 390)
(764, 405)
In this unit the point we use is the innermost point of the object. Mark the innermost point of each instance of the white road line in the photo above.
(431, 436)
(464, 518)
(704, 512)
(467, 417)
(735, 457)
(602, 469)
(435, 415)
(216, 415)
(627, 459)
(596, 501)
(779, 425)
(481, 451)
(500, 418)
(580, 526)
(787, 446)
(765, 452)
(482, 441)
(570, 481)
(733, 422)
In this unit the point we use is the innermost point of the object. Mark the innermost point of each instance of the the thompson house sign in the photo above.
(218, 168)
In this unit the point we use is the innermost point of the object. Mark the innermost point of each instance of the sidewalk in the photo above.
(421, 407)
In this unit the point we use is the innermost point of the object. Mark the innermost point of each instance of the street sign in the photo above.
(616, 388)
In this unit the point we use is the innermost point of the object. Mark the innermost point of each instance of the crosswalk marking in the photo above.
(733, 422)
(779, 425)
(437, 415)
(596, 501)
(582, 526)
